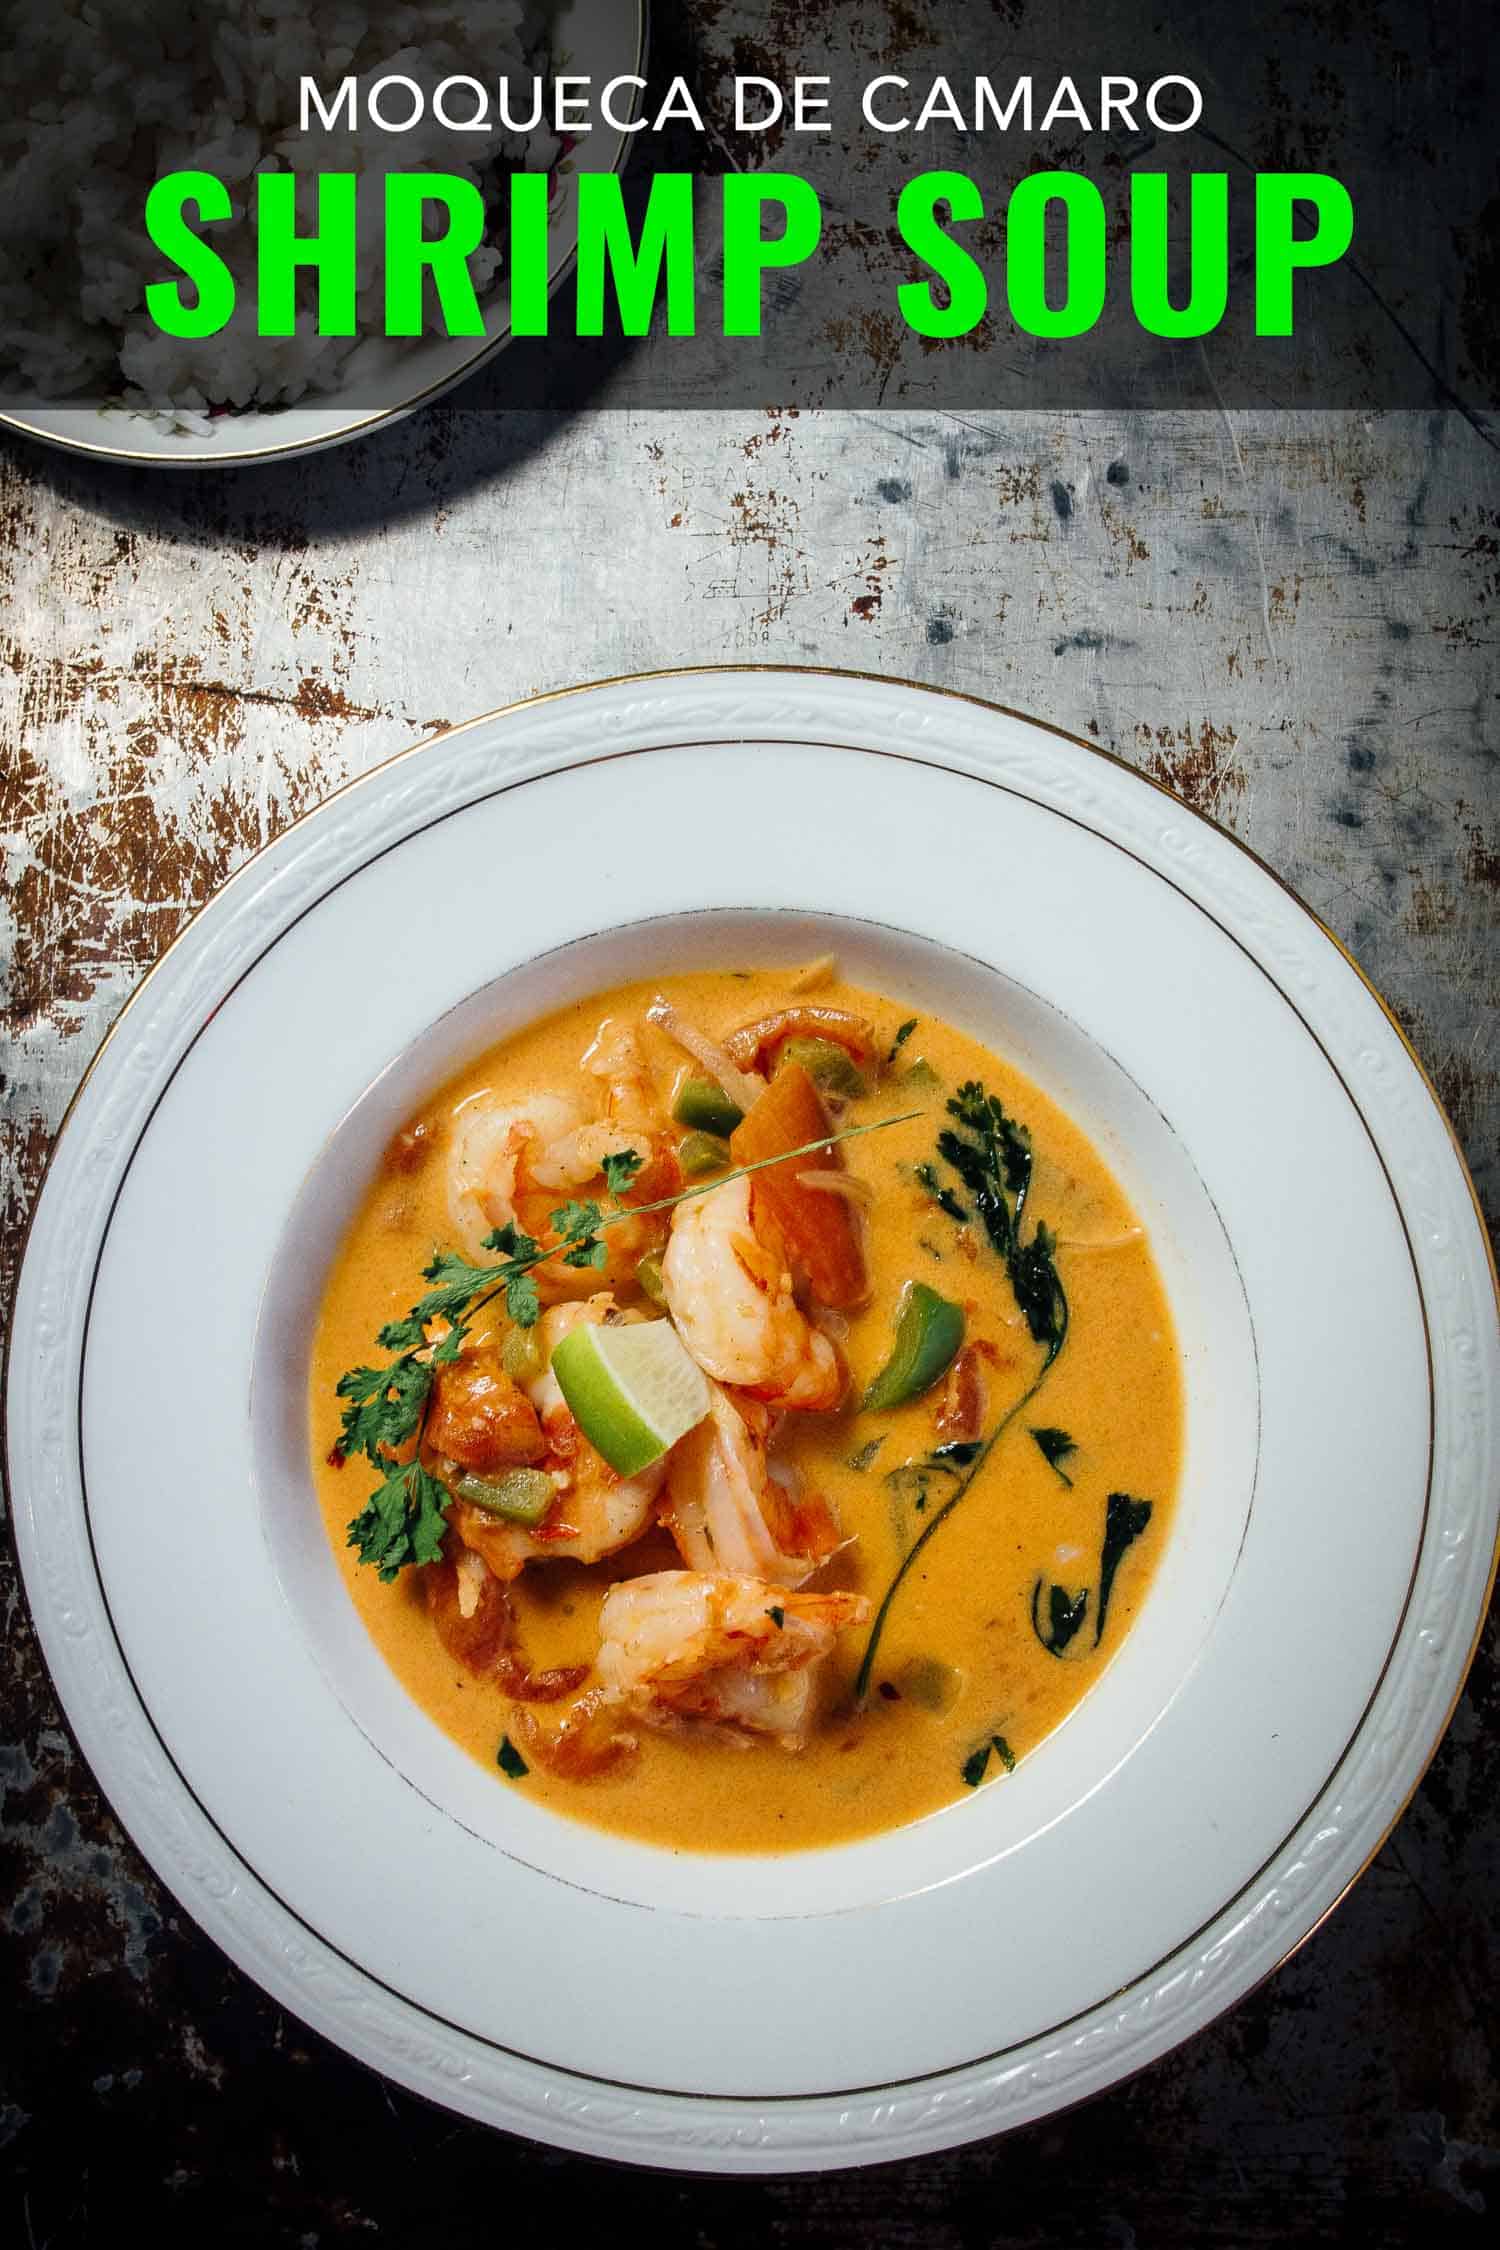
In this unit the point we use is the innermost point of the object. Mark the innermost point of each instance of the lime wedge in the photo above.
(633, 1391)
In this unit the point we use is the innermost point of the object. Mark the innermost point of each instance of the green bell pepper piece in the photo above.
(929, 1330)
(519, 1495)
(706, 1108)
(702, 1153)
(831, 1067)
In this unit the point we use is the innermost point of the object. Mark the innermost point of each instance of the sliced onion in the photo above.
(816, 974)
(742, 1086)
(1103, 1241)
(754, 1042)
(847, 1184)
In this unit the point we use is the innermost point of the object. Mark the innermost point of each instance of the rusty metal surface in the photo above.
(1290, 620)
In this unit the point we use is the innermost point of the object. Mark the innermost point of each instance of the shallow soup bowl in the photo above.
(1233, 1767)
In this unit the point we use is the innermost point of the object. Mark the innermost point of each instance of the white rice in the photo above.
(102, 97)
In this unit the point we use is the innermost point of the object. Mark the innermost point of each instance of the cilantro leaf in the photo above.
(991, 1154)
(574, 1222)
(521, 1300)
(386, 1407)
(1039, 1291)
(457, 1282)
(620, 1169)
(902, 1036)
(402, 1521)
(510, 1761)
(943, 1197)
(1055, 1446)
(511, 1243)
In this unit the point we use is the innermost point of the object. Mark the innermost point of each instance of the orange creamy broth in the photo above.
(1115, 1388)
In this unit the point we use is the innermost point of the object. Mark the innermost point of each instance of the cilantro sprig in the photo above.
(991, 1155)
(386, 1407)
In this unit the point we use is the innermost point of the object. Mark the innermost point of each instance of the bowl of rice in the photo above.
(104, 97)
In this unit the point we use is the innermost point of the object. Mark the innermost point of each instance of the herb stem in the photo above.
(933, 1525)
(867, 1661)
(761, 1163)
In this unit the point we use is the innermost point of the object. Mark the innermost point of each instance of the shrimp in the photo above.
(489, 1159)
(514, 1162)
(632, 1111)
(730, 1652)
(728, 1511)
(730, 1295)
(596, 1512)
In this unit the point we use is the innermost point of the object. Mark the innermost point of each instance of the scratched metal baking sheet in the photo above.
(1290, 620)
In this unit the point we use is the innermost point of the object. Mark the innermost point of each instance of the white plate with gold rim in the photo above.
(1310, 1622)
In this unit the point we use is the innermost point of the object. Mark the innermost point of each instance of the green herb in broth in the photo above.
(943, 1197)
(1065, 1616)
(973, 1769)
(1124, 1521)
(1055, 1447)
(991, 1154)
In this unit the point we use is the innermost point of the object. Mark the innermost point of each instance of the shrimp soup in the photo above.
(747, 1417)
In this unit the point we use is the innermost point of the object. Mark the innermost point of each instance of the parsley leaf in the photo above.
(991, 1154)
(620, 1169)
(943, 1197)
(577, 1225)
(402, 1521)
(510, 1761)
(1055, 1446)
